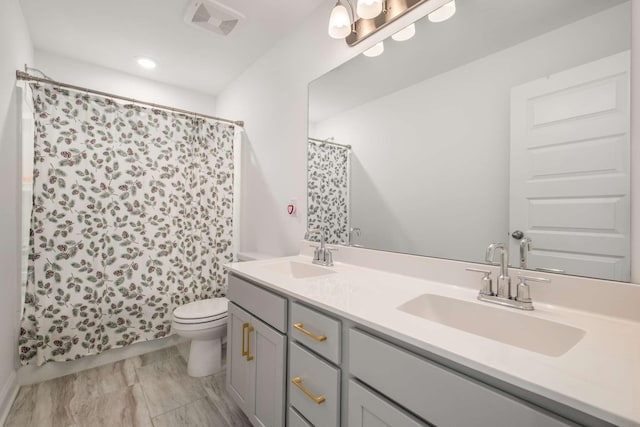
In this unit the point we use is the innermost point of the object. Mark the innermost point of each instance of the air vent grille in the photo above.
(212, 16)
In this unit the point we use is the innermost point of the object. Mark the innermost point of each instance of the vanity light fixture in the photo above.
(444, 12)
(355, 24)
(405, 34)
(146, 63)
(375, 50)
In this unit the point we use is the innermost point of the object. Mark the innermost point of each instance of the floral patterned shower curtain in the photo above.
(132, 217)
(328, 170)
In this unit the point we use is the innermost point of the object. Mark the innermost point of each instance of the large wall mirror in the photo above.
(510, 122)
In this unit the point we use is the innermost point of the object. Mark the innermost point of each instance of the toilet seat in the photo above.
(202, 311)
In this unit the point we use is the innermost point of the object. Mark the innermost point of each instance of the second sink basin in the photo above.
(509, 327)
(298, 270)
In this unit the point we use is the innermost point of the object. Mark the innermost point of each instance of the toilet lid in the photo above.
(202, 310)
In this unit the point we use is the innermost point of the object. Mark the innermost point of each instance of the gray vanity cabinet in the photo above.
(256, 356)
(336, 374)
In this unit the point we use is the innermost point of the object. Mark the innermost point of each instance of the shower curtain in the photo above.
(132, 216)
(328, 170)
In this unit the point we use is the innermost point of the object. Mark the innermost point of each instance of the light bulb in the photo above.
(368, 9)
(444, 12)
(405, 34)
(339, 22)
(375, 50)
(147, 63)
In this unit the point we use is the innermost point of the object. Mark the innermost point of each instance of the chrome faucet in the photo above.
(504, 281)
(525, 247)
(321, 254)
(502, 295)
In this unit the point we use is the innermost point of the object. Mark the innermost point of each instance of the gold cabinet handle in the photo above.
(245, 326)
(319, 338)
(297, 381)
(249, 356)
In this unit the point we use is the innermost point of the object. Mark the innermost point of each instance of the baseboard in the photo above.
(34, 374)
(7, 396)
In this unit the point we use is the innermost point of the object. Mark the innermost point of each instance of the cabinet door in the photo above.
(366, 409)
(267, 347)
(239, 374)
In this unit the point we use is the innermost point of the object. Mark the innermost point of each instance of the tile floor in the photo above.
(149, 390)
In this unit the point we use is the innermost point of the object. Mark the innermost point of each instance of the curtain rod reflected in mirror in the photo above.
(328, 141)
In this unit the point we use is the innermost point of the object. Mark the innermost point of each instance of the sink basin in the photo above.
(298, 270)
(508, 327)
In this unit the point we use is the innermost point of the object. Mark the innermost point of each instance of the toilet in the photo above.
(204, 322)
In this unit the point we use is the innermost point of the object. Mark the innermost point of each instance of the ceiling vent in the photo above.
(212, 16)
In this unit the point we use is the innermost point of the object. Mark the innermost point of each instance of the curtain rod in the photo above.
(21, 75)
(324, 141)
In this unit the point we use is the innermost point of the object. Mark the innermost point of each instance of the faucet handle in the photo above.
(328, 257)
(486, 287)
(478, 270)
(522, 291)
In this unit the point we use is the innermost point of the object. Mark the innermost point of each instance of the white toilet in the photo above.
(205, 323)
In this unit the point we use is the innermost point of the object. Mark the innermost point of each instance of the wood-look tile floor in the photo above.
(152, 390)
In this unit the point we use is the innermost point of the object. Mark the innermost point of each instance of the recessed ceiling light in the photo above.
(147, 63)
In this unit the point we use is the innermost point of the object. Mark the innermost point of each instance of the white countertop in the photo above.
(599, 376)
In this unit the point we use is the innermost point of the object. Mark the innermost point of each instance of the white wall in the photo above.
(271, 97)
(108, 80)
(432, 156)
(15, 50)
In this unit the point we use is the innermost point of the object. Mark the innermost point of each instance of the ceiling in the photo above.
(113, 33)
(479, 28)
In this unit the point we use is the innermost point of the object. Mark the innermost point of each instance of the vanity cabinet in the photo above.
(256, 356)
(336, 373)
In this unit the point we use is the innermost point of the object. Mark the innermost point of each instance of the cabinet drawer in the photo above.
(316, 331)
(437, 394)
(367, 409)
(317, 395)
(296, 420)
(261, 303)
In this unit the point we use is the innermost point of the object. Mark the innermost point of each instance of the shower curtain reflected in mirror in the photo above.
(132, 217)
(328, 173)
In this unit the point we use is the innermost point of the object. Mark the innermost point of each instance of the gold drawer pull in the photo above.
(298, 383)
(249, 356)
(298, 327)
(244, 330)
(245, 352)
